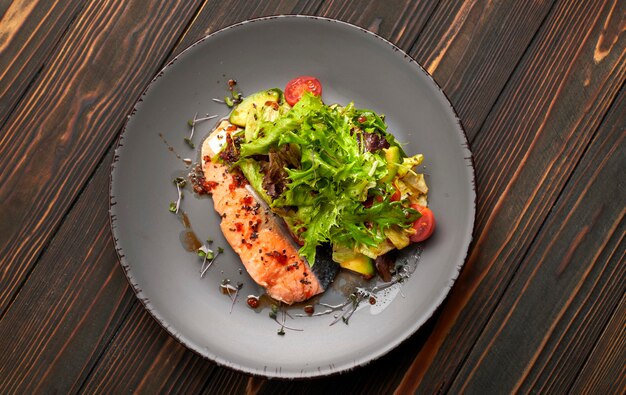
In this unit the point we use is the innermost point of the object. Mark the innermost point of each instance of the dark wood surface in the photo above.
(540, 304)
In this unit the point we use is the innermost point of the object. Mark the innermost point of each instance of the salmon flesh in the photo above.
(267, 250)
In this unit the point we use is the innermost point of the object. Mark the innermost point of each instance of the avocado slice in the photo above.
(394, 158)
(239, 115)
(354, 261)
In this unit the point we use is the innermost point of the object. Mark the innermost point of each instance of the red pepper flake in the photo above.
(229, 154)
(247, 200)
(309, 309)
(207, 159)
(231, 83)
(362, 118)
(372, 300)
(280, 258)
(231, 128)
(239, 181)
(238, 226)
(210, 185)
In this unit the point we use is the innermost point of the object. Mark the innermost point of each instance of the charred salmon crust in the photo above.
(258, 236)
(325, 269)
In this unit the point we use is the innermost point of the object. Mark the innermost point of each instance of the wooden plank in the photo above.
(143, 359)
(567, 286)
(215, 15)
(67, 120)
(605, 371)
(29, 32)
(524, 154)
(398, 21)
(71, 306)
(472, 47)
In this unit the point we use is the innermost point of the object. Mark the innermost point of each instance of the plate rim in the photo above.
(205, 352)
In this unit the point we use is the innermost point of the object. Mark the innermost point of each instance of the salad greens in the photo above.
(331, 172)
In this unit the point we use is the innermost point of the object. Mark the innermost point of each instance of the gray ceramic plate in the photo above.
(353, 65)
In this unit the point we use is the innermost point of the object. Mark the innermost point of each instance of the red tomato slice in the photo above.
(425, 225)
(297, 86)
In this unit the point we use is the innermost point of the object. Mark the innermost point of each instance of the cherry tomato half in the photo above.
(425, 225)
(297, 86)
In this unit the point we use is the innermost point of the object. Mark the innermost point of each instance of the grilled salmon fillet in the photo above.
(257, 235)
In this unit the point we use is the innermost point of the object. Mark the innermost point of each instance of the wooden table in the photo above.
(539, 86)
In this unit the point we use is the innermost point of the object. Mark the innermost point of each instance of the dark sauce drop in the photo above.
(188, 237)
(253, 301)
(190, 241)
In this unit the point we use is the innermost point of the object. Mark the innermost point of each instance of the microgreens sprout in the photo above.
(192, 124)
(208, 257)
(229, 102)
(274, 316)
(273, 311)
(229, 288)
(180, 183)
(189, 142)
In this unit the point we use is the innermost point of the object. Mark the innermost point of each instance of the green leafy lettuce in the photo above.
(335, 194)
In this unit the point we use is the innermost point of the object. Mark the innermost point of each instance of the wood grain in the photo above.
(157, 363)
(472, 47)
(215, 15)
(69, 309)
(29, 33)
(524, 154)
(605, 371)
(67, 120)
(568, 284)
(398, 21)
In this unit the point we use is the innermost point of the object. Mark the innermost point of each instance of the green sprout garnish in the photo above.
(274, 311)
(208, 257)
(180, 183)
(192, 124)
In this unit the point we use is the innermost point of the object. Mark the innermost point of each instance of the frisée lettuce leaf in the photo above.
(332, 186)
